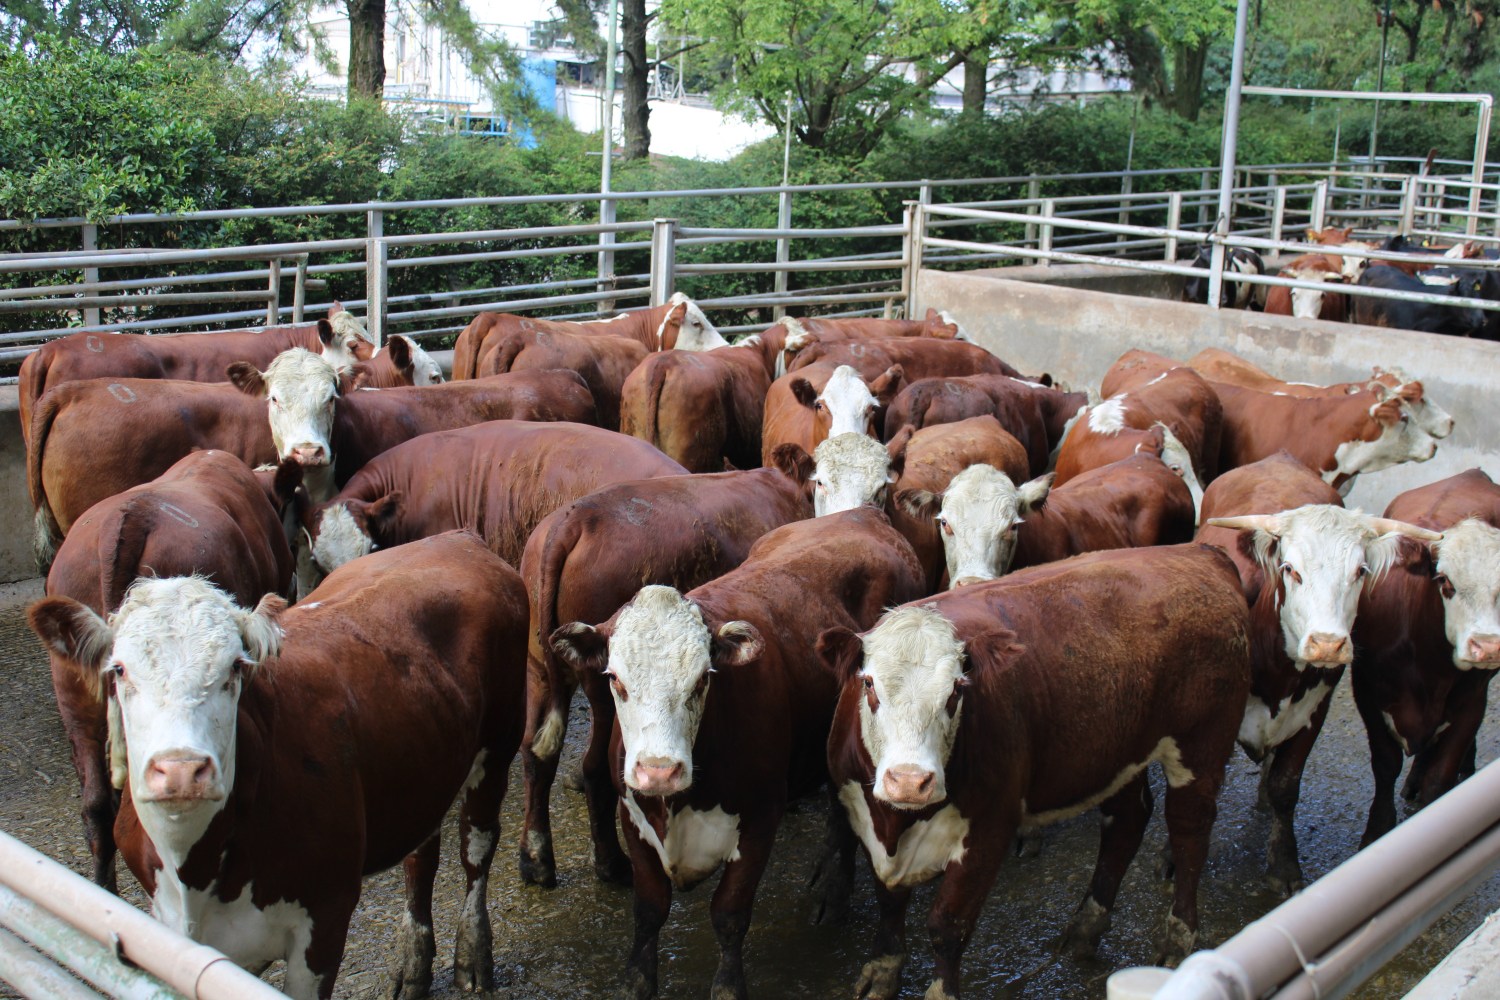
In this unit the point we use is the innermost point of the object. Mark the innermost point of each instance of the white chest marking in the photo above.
(1262, 731)
(924, 849)
(253, 938)
(696, 842)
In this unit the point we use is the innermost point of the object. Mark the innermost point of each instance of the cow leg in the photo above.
(413, 976)
(313, 960)
(479, 832)
(836, 867)
(1386, 760)
(84, 723)
(1126, 814)
(732, 904)
(1284, 788)
(652, 904)
(610, 862)
(880, 979)
(1191, 809)
(1445, 759)
(544, 726)
(955, 911)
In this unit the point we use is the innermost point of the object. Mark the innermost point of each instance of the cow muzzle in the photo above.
(965, 581)
(1326, 650)
(909, 786)
(659, 776)
(181, 776)
(1482, 651)
(310, 455)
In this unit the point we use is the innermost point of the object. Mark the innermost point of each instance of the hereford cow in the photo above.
(700, 678)
(1427, 642)
(1350, 267)
(603, 362)
(583, 563)
(334, 434)
(1311, 303)
(1036, 414)
(275, 758)
(191, 357)
(399, 362)
(1303, 561)
(700, 408)
(962, 720)
(991, 525)
(796, 334)
(919, 357)
(208, 516)
(810, 405)
(497, 479)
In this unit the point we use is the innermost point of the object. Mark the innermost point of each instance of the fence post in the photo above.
(1278, 214)
(1409, 205)
(1127, 185)
(911, 257)
(663, 260)
(1319, 205)
(1174, 222)
(91, 274)
(607, 254)
(1044, 242)
(1205, 184)
(299, 290)
(273, 302)
(375, 258)
(1439, 197)
(1033, 194)
(783, 248)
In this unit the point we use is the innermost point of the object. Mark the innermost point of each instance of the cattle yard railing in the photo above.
(854, 270)
(62, 936)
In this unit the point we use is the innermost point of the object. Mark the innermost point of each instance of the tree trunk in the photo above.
(366, 48)
(634, 110)
(1188, 63)
(976, 82)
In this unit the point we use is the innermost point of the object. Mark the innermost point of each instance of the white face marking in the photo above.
(696, 332)
(797, 335)
(1109, 416)
(348, 331)
(1307, 303)
(1175, 454)
(980, 519)
(1402, 441)
(923, 850)
(301, 388)
(425, 371)
(851, 471)
(1261, 731)
(848, 402)
(340, 539)
(962, 334)
(1468, 576)
(697, 842)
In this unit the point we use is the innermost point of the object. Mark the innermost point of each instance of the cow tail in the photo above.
(46, 532)
(556, 547)
(656, 377)
(33, 382)
(122, 543)
(506, 354)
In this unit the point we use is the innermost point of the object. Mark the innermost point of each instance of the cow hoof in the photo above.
(1174, 941)
(1286, 884)
(473, 959)
(729, 990)
(635, 987)
(880, 979)
(537, 871)
(833, 898)
(1081, 938)
(937, 991)
(1028, 845)
(572, 779)
(412, 979)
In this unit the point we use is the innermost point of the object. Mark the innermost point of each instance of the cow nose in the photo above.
(964, 581)
(1484, 649)
(1322, 647)
(907, 784)
(180, 777)
(658, 776)
(310, 454)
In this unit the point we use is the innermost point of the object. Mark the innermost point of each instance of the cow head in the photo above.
(1319, 557)
(1176, 457)
(686, 328)
(852, 470)
(1467, 575)
(415, 365)
(300, 389)
(341, 531)
(175, 658)
(659, 656)
(847, 405)
(1388, 437)
(1459, 282)
(1307, 303)
(979, 517)
(1430, 417)
(912, 673)
(344, 338)
(941, 325)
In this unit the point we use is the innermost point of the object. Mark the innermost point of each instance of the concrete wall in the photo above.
(1077, 333)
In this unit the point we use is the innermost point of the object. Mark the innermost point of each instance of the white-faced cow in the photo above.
(803, 408)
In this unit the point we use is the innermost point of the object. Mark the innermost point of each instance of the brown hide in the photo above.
(700, 408)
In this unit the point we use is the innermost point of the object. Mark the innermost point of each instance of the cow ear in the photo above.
(1044, 380)
(885, 387)
(288, 477)
(1387, 412)
(896, 449)
(736, 644)
(325, 330)
(247, 378)
(1413, 556)
(921, 504)
(1034, 494)
(74, 632)
(841, 651)
(792, 461)
(804, 392)
(994, 648)
(583, 646)
(399, 349)
(260, 629)
(381, 514)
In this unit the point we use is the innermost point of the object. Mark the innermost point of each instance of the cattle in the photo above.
(192, 357)
(1036, 414)
(677, 324)
(497, 479)
(1303, 561)
(796, 334)
(1311, 303)
(962, 720)
(1350, 267)
(603, 362)
(276, 757)
(334, 434)
(399, 362)
(1232, 294)
(992, 523)
(918, 357)
(583, 563)
(1427, 643)
(810, 405)
(701, 408)
(208, 515)
(722, 715)
(1459, 321)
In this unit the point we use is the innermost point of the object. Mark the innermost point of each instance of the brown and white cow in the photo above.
(810, 405)
(1303, 562)
(702, 408)
(191, 357)
(1313, 303)
(275, 758)
(209, 516)
(962, 720)
(1036, 414)
(400, 362)
(723, 712)
(919, 357)
(795, 334)
(992, 523)
(1427, 643)
(583, 563)
(604, 362)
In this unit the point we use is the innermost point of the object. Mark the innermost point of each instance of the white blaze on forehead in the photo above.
(1109, 416)
(1307, 303)
(425, 371)
(348, 330)
(848, 401)
(980, 513)
(1354, 266)
(914, 659)
(851, 470)
(301, 387)
(340, 539)
(658, 653)
(696, 332)
(1469, 556)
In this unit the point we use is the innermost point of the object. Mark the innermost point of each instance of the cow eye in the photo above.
(1360, 572)
(817, 404)
(871, 698)
(1290, 574)
(275, 402)
(954, 699)
(118, 669)
(616, 685)
(1445, 585)
(701, 686)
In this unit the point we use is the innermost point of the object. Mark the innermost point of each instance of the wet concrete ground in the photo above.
(571, 941)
